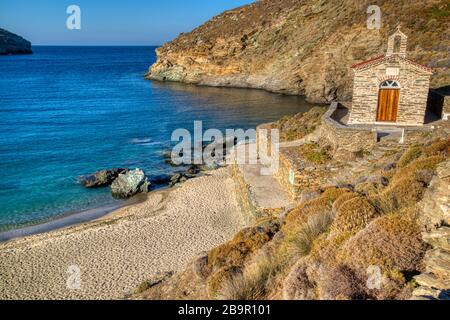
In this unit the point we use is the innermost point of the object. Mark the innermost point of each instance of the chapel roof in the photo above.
(383, 58)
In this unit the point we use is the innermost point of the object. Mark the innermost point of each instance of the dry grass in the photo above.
(322, 204)
(438, 148)
(413, 152)
(239, 249)
(341, 200)
(314, 153)
(215, 281)
(328, 243)
(300, 240)
(254, 283)
(298, 126)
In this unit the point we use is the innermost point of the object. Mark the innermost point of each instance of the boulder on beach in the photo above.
(129, 184)
(101, 178)
(177, 178)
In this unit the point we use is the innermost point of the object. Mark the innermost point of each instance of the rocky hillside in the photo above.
(303, 46)
(11, 43)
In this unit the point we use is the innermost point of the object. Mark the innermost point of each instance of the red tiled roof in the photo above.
(383, 57)
(419, 65)
(360, 64)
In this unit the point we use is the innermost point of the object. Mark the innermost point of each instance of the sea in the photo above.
(67, 111)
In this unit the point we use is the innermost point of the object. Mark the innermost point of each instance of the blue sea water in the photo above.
(68, 111)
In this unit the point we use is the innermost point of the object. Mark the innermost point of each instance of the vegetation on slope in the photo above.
(329, 246)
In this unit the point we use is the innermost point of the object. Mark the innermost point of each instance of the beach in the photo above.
(115, 253)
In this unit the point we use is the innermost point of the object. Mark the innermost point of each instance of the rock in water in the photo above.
(101, 178)
(129, 184)
(11, 43)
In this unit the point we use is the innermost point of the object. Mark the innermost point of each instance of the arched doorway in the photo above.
(388, 99)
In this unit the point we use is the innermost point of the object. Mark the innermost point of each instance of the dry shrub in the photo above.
(298, 126)
(320, 205)
(353, 215)
(255, 281)
(325, 248)
(332, 194)
(341, 200)
(369, 188)
(238, 250)
(301, 214)
(410, 171)
(439, 147)
(413, 153)
(297, 285)
(341, 283)
(407, 186)
(215, 281)
(393, 243)
(300, 240)
(401, 194)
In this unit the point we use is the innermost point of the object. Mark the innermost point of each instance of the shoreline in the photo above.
(67, 220)
(132, 244)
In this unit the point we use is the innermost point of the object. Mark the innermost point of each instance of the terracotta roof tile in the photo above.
(383, 57)
(360, 64)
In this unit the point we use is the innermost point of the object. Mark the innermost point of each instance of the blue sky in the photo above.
(131, 22)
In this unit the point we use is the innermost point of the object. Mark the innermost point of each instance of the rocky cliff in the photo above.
(11, 43)
(303, 47)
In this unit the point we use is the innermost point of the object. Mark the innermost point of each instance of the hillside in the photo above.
(11, 43)
(376, 228)
(303, 47)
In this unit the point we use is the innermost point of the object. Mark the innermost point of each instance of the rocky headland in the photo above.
(303, 47)
(11, 43)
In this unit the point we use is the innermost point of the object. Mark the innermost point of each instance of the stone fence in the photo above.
(352, 138)
(345, 138)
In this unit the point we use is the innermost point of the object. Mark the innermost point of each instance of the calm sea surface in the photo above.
(68, 111)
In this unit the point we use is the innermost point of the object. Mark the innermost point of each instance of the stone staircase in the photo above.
(435, 282)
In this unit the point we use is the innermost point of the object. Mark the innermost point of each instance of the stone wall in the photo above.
(297, 176)
(243, 195)
(435, 217)
(346, 139)
(414, 84)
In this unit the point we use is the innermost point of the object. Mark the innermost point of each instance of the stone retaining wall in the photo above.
(435, 217)
(243, 195)
(346, 138)
(297, 176)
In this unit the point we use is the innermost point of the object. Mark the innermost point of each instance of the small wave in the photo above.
(140, 141)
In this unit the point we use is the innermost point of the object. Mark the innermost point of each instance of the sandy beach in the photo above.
(116, 253)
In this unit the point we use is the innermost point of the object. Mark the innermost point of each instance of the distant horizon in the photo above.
(103, 23)
(96, 45)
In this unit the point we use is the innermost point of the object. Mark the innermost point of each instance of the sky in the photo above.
(113, 22)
